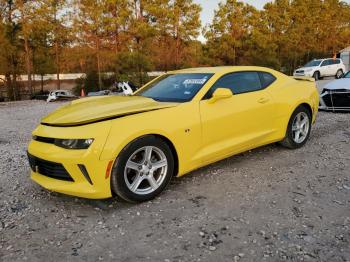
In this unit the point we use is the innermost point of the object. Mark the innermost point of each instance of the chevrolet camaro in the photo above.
(132, 146)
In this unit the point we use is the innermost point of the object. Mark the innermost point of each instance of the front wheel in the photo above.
(317, 75)
(142, 170)
(299, 128)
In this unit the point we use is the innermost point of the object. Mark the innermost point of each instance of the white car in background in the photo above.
(319, 68)
(60, 95)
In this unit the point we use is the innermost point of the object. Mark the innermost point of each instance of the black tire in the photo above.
(289, 140)
(317, 75)
(118, 181)
(339, 74)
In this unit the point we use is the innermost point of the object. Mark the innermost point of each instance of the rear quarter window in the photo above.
(266, 79)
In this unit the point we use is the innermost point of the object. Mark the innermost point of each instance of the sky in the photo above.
(208, 7)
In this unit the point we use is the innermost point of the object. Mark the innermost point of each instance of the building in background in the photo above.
(345, 56)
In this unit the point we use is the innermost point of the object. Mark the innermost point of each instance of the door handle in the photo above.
(263, 100)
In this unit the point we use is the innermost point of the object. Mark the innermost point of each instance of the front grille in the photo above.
(48, 168)
(336, 98)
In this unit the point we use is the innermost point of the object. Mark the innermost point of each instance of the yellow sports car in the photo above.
(132, 146)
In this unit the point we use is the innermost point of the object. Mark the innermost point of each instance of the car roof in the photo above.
(327, 58)
(221, 69)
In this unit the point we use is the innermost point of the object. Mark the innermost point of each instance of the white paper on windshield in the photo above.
(194, 81)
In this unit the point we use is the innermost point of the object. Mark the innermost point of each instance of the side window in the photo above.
(325, 63)
(266, 79)
(238, 83)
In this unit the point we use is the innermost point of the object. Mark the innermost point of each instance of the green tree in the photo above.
(26, 9)
(54, 19)
(10, 47)
(229, 31)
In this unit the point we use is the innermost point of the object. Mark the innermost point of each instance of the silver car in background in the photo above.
(336, 95)
(58, 95)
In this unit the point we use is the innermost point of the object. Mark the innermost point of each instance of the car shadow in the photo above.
(235, 161)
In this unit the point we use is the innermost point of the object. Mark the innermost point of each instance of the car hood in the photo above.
(307, 68)
(94, 109)
(343, 83)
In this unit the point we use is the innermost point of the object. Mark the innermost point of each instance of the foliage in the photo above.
(283, 35)
(129, 38)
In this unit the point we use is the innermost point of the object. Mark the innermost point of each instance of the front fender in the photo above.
(180, 125)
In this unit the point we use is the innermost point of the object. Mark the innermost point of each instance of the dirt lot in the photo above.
(269, 204)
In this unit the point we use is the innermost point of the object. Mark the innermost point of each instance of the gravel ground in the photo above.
(268, 204)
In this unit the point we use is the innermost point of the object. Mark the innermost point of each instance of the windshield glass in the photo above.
(175, 87)
(313, 63)
(347, 75)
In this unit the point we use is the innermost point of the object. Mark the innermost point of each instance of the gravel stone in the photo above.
(269, 204)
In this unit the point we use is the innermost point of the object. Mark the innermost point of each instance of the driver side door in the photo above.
(245, 120)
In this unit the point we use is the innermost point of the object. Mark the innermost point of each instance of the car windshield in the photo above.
(175, 87)
(313, 63)
(347, 75)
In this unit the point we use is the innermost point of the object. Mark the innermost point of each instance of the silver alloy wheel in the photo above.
(300, 127)
(145, 170)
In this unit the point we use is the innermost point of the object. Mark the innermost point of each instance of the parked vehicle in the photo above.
(41, 95)
(322, 67)
(127, 88)
(60, 95)
(336, 95)
(133, 145)
(100, 93)
(122, 88)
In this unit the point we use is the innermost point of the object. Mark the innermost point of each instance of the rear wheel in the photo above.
(339, 74)
(142, 170)
(317, 75)
(299, 128)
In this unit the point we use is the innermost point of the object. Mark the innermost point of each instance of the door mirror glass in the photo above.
(220, 93)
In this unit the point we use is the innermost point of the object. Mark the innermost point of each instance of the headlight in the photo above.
(74, 143)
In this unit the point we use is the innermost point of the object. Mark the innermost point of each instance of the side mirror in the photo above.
(220, 93)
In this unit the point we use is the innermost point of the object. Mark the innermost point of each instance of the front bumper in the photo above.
(307, 74)
(335, 100)
(95, 185)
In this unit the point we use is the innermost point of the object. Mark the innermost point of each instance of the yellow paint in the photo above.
(201, 131)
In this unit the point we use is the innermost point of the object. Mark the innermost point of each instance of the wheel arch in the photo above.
(173, 151)
(164, 139)
(318, 72)
(308, 107)
(288, 117)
